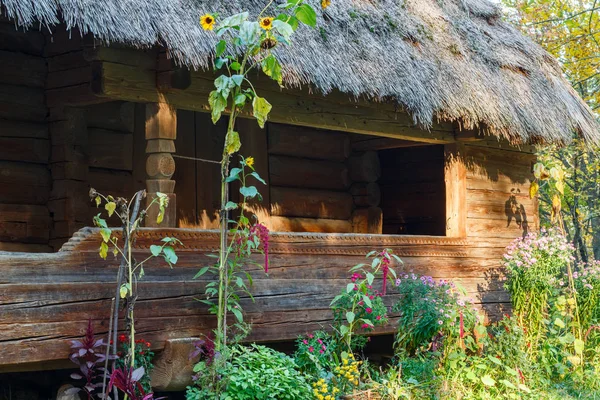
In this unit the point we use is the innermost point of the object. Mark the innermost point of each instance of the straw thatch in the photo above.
(448, 59)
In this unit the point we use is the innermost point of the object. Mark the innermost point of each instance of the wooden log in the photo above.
(21, 129)
(22, 103)
(24, 183)
(115, 116)
(292, 202)
(25, 247)
(25, 149)
(366, 194)
(124, 82)
(110, 149)
(296, 141)
(455, 179)
(63, 40)
(16, 40)
(173, 367)
(22, 69)
(305, 173)
(287, 224)
(24, 223)
(362, 143)
(367, 220)
(364, 167)
(69, 77)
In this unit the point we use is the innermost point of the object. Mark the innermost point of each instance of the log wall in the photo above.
(25, 180)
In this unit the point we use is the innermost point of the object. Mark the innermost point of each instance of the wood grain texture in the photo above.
(306, 173)
(310, 203)
(295, 141)
(46, 300)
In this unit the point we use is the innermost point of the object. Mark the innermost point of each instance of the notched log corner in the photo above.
(173, 368)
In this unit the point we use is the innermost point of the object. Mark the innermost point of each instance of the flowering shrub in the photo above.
(314, 352)
(143, 358)
(359, 307)
(535, 267)
(429, 312)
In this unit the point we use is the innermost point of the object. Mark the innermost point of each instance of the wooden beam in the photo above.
(367, 143)
(455, 179)
(125, 82)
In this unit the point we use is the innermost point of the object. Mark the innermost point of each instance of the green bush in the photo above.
(257, 372)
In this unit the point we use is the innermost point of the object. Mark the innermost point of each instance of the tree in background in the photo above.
(570, 31)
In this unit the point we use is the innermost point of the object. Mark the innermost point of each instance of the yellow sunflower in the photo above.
(325, 4)
(208, 22)
(250, 161)
(266, 23)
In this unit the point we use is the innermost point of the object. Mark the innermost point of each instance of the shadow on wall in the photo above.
(495, 300)
(516, 211)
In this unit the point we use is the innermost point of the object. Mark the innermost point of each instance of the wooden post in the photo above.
(161, 132)
(455, 179)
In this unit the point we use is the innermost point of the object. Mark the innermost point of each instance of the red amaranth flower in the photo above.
(385, 268)
(263, 234)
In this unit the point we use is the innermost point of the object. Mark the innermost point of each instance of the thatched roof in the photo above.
(448, 59)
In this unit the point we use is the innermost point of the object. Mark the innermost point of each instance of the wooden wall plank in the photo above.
(455, 179)
(25, 149)
(110, 149)
(185, 169)
(295, 141)
(24, 183)
(16, 40)
(307, 203)
(305, 173)
(22, 69)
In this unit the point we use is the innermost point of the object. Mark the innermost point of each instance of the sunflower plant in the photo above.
(245, 44)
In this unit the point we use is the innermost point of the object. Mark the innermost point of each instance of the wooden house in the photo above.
(406, 125)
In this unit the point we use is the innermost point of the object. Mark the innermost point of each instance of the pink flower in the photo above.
(263, 234)
(385, 267)
(378, 318)
(310, 336)
(305, 341)
(311, 349)
(320, 341)
(369, 310)
(321, 351)
(364, 326)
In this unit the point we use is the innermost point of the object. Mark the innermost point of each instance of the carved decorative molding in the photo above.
(195, 240)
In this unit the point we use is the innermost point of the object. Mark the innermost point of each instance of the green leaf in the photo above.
(559, 322)
(579, 346)
(488, 380)
(219, 62)
(234, 20)
(237, 79)
(103, 250)
(494, 360)
(217, 105)
(105, 233)
(155, 250)
(201, 272)
(261, 108)
(220, 48)
(258, 178)
(233, 174)
(123, 290)
(350, 317)
(471, 375)
(283, 28)
(370, 278)
(350, 287)
(249, 192)
(231, 205)
(98, 200)
(142, 273)
(368, 322)
(238, 314)
(336, 299)
(272, 68)
(306, 14)
(367, 301)
(235, 66)
(240, 100)
(249, 33)
(508, 384)
(110, 207)
(232, 142)
(344, 330)
(169, 254)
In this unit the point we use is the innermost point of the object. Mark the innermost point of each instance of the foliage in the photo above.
(314, 353)
(569, 30)
(127, 380)
(429, 313)
(256, 372)
(534, 266)
(89, 355)
(143, 359)
(359, 306)
(131, 214)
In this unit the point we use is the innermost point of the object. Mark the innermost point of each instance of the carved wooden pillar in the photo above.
(161, 132)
